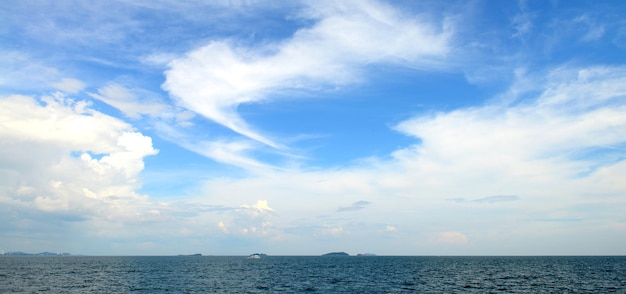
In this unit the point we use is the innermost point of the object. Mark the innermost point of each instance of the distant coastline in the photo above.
(20, 253)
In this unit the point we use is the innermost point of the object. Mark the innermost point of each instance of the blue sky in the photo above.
(392, 127)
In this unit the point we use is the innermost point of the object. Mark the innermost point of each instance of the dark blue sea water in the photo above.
(275, 274)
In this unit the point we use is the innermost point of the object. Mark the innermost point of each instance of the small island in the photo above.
(336, 254)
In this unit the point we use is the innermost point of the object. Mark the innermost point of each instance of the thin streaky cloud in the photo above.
(214, 79)
(361, 204)
(489, 199)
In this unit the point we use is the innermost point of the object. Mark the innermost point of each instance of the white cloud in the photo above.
(132, 102)
(233, 152)
(535, 154)
(61, 120)
(489, 199)
(537, 151)
(222, 227)
(332, 231)
(451, 238)
(390, 228)
(18, 70)
(578, 110)
(69, 85)
(228, 152)
(522, 22)
(58, 25)
(158, 59)
(60, 158)
(355, 206)
(249, 220)
(556, 140)
(214, 79)
(594, 30)
(260, 206)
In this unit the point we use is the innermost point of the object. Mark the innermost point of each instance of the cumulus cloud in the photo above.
(62, 158)
(259, 208)
(253, 220)
(214, 79)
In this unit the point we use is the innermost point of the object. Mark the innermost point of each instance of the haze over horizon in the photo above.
(306, 127)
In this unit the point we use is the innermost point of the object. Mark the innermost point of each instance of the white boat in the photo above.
(255, 256)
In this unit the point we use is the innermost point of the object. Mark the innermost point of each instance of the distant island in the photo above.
(20, 253)
(366, 254)
(197, 254)
(336, 254)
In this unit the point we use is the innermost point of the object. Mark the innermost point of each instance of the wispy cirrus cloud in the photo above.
(345, 37)
(132, 102)
(69, 85)
(19, 71)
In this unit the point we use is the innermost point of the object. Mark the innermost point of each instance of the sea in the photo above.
(298, 274)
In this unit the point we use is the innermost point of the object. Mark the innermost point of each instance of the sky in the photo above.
(168, 127)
